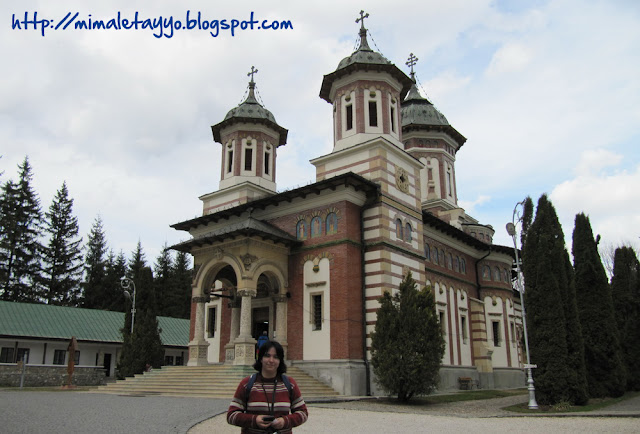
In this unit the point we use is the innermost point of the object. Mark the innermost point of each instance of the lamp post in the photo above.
(511, 230)
(126, 283)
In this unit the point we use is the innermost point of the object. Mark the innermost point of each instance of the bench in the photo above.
(466, 383)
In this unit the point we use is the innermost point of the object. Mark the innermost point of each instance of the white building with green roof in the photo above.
(41, 333)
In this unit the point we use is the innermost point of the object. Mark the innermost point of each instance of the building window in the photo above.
(427, 252)
(332, 223)
(496, 274)
(301, 230)
(349, 116)
(393, 119)
(58, 357)
(76, 358)
(211, 323)
(407, 233)
(316, 227)
(373, 114)
(486, 272)
(443, 326)
(23, 354)
(442, 257)
(6, 355)
(179, 360)
(463, 266)
(505, 275)
(168, 360)
(399, 229)
(456, 264)
(496, 333)
(513, 332)
(316, 306)
(449, 261)
(229, 160)
(248, 158)
(434, 255)
(463, 326)
(267, 158)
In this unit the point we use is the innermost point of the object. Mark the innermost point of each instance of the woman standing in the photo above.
(268, 401)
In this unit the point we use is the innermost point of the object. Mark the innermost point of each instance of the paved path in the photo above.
(78, 412)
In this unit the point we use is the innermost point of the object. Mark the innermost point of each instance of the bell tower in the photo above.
(250, 136)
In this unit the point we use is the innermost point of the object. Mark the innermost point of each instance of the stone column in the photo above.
(235, 331)
(244, 344)
(198, 347)
(281, 322)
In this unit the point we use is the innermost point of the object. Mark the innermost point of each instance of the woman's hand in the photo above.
(278, 423)
(262, 423)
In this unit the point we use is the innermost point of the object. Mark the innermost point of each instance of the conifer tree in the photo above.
(62, 259)
(144, 345)
(94, 268)
(164, 284)
(625, 289)
(554, 331)
(182, 277)
(407, 345)
(20, 231)
(605, 371)
(115, 269)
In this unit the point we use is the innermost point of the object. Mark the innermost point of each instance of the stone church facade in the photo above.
(308, 265)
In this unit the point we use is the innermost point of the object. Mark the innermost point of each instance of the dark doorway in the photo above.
(107, 364)
(260, 321)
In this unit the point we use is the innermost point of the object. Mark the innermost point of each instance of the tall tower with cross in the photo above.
(250, 136)
(429, 138)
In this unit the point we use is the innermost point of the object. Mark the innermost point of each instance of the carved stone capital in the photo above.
(247, 292)
(280, 298)
(199, 299)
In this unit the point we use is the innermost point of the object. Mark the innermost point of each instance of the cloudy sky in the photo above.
(546, 92)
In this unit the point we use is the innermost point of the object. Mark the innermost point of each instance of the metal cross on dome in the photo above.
(253, 71)
(411, 62)
(361, 19)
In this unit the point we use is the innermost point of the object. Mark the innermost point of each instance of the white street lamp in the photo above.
(511, 230)
(125, 282)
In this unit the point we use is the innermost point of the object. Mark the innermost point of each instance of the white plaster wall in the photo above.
(465, 347)
(316, 343)
(441, 306)
(213, 352)
(495, 313)
(452, 327)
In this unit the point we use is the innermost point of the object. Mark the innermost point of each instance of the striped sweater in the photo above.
(260, 399)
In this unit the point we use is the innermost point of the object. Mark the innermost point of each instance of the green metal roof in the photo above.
(43, 321)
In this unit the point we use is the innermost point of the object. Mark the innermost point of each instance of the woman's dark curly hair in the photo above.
(282, 368)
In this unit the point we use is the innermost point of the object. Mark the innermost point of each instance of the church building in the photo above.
(308, 265)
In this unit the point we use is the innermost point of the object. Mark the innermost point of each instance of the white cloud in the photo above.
(510, 58)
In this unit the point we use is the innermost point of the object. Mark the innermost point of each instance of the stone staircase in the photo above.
(213, 381)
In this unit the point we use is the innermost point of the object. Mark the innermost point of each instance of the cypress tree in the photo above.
(551, 315)
(407, 345)
(625, 289)
(62, 259)
(94, 268)
(605, 371)
(165, 292)
(20, 231)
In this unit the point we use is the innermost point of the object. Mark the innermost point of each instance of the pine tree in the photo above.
(625, 289)
(182, 277)
(20, 231)
(554, 331)
(94, 268)
(163, 282)
(407, 345)
(62, 259)
(115, 269)
(605, 371)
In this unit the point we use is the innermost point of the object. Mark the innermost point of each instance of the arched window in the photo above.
(332, 223)
(316, 227)
(496, 274)
(505, 275)
(463, 266)
(486, 272)
(449, 261)
(434, 255)
(407, 233)
(442, 258)
(427, 252)
(456, 264)
(301, 230)
(399, 229)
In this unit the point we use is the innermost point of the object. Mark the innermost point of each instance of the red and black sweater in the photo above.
(293, 412)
